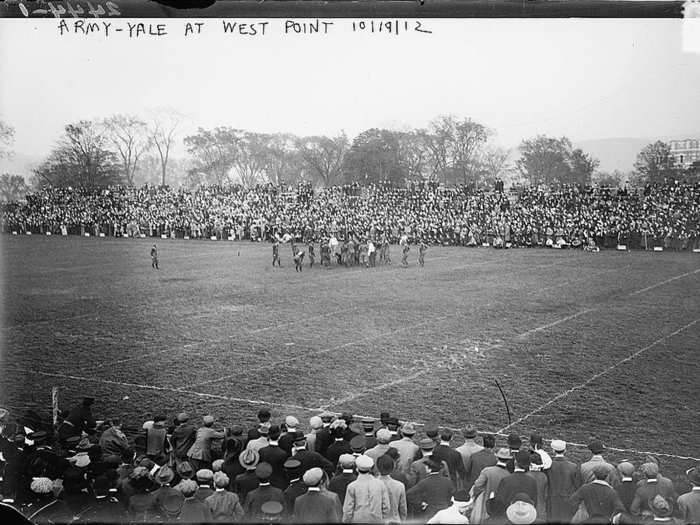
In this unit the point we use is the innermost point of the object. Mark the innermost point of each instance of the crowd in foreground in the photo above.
(664, 215)
(334, 469)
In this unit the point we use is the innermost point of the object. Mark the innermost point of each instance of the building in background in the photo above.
(685, 152)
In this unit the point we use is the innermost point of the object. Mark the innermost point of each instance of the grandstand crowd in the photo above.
(664, 215)
(331, 468)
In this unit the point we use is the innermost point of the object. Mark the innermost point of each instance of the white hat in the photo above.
(558, 445)
(315, 422)
(364, 463)
(521, 513)
(291, 422)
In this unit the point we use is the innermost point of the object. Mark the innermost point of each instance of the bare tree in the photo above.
(163, 132)
(130, 137)
(323, 156)
(7, 137)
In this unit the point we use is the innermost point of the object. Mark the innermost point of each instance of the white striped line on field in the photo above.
(665, 282)
(596, 376)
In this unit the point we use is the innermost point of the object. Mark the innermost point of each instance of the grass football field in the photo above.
(582, 344)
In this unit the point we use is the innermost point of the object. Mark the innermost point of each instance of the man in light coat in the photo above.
(199, 454)
(408, 450)
(367, 498)
(487, 484)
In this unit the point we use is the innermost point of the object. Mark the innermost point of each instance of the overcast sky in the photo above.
(586, 79)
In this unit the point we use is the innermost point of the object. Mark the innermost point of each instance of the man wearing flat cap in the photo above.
(339, 483)
(689, 503)
(564, 480)
(519, 481)
(205, 480)
(224, 505)
(383, 444)
(407, 448)
(199, 454)
(596, 447)
(286, 440)
(316, 424)
(650, 486)
(366, 498)
(264, 493)
(315, 506)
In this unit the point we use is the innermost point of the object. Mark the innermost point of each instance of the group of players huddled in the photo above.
(353, 250)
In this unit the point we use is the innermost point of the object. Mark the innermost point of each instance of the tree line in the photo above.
(125, 149)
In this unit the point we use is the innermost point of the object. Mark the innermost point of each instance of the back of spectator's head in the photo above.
(536, 440)
(514, 441)
(600, 472)
(650, 470)
(522, 458)
(385, 465)
(432, 432)
(596, 446)
(274, 432)
(694, 475)
(264, 415)
(446, 434)
(433, 464)
(188, 487)
(489, 440)
(383, 436)
(625, 468)
(221, 480)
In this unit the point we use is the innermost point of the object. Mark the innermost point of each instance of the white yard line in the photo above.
(596, 376)
(665, 282)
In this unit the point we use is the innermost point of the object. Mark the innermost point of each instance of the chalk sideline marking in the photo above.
(596, 376)
(159, 388)
(308, 409)
(665, 282)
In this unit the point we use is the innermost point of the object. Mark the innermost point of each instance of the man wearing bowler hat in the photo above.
(470, 446)
(419, 468)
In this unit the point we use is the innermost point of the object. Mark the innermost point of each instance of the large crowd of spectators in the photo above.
(333, 468)
(666, 215)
